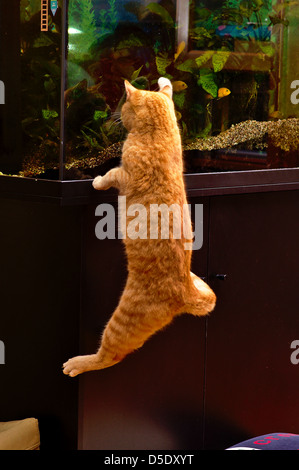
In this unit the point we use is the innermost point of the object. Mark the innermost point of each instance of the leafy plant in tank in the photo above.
(236, 19)
(82, 29)
(112, 14)
(87, 25)
(40, 93)
(226, 34)
(198, 80)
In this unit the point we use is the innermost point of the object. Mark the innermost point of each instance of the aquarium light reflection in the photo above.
(74, 31)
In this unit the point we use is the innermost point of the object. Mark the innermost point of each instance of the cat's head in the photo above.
(146, 110)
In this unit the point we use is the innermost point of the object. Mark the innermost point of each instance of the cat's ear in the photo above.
(129, 89)
(165, 86)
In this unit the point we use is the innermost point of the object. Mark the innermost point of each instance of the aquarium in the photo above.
(234, 66)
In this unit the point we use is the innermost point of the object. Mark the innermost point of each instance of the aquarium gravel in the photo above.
(283, 133)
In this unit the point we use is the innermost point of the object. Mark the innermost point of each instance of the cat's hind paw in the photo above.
(79, 364)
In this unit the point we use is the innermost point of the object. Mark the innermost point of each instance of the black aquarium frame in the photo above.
(78, 192)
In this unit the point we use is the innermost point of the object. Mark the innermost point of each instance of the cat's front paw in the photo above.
(98, 182)
(79, 364)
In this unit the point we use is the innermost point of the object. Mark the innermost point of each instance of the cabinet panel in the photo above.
(40, 297)
(252, 386)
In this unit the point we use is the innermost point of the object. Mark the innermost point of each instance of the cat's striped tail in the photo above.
(201, 298)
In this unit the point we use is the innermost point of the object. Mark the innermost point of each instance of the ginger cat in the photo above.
(160, 285)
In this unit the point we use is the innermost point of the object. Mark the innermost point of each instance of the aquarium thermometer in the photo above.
(44, 15)
(54, 6)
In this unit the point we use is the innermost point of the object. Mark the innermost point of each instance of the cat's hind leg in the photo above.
(106, 356)
(135, 320)
(132, 323)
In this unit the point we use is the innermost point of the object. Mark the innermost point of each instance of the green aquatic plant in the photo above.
(82, 29)
(112, 14)
(87, 23)
(207, 81)
(162, 12)
(219, 60)
(248, 20)
(235, 36)
(108, 18)
(40, 90)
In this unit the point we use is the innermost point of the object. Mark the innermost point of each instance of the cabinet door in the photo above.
(154, 398)
(252, 385)
(39, 289)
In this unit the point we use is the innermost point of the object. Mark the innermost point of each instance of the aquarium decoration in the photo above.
(225, 75)
(54, 7)
(44, 15)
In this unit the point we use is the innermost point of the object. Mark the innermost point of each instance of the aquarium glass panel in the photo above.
(244, 66)
(30, 70)
(234, 66)
(110, 41)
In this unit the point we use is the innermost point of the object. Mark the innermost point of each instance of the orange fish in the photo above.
(179, 85)
(222, 92)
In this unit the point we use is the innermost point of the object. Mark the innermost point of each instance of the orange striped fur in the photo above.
(160, 285)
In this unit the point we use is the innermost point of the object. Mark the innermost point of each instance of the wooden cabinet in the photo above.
(202, 383)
